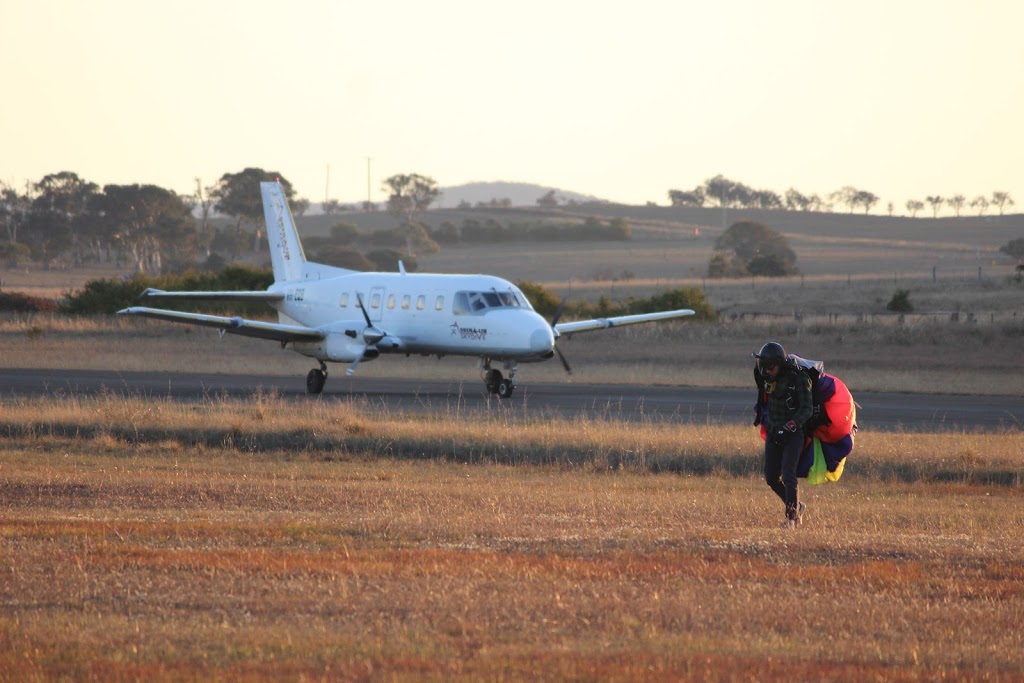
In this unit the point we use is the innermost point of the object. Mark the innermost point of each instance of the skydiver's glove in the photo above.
(757, 416)
(785, 432)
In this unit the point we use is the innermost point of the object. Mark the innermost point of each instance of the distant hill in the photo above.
(519, 194)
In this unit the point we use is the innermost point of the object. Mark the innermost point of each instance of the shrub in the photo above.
(14, 254)
(107, 296)
(752, 248)
(900, 302)
(15, 302)
(1014, 248)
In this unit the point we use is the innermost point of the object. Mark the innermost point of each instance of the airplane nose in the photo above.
(542, 340)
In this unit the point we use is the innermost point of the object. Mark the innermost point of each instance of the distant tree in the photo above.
(410, 195)
(238, 195)
(846, 195)
(205, 200)
(936, 201)
(720, 190)
(1002, 200)
(752, 248)
(956, 202)
(59, 217)
(230, 242)
(913, 206)
(865, 199)
(694, 197)
(981, 204)
(890, 207)
(795, 201)
(331, 207)
(148, 222)
(765, 199)
(816, 203)
(547, 200)
(14, 209)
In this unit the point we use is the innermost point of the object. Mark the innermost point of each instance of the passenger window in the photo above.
(439, 304)
(344, 300)
(405, 302)
(391, 301)
(375, 301)
(421, 302)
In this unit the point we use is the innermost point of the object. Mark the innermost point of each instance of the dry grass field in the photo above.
(265, 540)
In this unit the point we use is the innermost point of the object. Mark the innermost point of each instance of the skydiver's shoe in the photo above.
(793, 521)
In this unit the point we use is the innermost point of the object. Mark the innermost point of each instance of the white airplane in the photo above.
(346, 316)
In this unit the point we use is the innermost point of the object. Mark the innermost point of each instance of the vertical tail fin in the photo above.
(286, 253)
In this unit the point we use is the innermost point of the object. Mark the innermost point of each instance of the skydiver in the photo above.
(784, 405)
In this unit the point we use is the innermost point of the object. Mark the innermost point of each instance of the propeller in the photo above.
(554, 321)
(371, 336)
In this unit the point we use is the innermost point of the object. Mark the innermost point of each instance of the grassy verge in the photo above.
(263, 540)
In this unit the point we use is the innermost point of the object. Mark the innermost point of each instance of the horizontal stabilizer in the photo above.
(604, 323)
(240, 326)
(244, 297)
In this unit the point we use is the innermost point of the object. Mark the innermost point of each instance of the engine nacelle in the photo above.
(339, 347)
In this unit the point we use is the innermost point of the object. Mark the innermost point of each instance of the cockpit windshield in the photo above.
(479, 302)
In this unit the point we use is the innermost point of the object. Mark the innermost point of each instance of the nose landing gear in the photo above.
(495, 382)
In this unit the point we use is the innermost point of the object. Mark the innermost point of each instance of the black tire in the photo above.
(492, 380)
(315, 381)
(505, 388)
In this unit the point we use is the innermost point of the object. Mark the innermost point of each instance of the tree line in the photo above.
(64, 216)
(723, 192)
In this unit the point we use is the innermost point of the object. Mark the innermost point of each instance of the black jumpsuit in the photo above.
(789, 406)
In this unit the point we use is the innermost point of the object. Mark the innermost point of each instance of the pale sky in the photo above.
(622, 100)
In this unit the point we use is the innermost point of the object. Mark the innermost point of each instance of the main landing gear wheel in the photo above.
(505, 388)
(316, 379)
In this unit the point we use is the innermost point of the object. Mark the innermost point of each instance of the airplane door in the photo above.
(376, 309)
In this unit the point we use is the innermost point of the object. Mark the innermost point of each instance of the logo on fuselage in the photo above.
(470, 333)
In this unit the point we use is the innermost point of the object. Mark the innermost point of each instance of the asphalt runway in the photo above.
(876, 411)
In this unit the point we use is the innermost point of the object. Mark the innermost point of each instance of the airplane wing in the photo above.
(244, 297)
(240, 326)
(604, 323)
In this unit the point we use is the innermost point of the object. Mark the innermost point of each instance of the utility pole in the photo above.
(327, 189)
(369, 200)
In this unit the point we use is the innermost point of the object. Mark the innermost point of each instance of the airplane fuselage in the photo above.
(427, 314)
